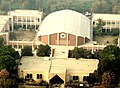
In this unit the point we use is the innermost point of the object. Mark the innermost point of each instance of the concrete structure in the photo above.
(27, 19)
(65, 28)
(111, 21)
(65, 69)
(4, 27)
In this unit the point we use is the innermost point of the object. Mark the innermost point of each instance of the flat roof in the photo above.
(34, 64)
(3, 20)
(96, 16)
(25, 12)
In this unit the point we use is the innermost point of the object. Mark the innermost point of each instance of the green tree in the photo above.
(99, 26)
(26, 51)
(8, 57)
(1, 41)
(81, 53)
(101, 6)
(55, 5)
(97, 54)
(110, 60)
(43, 50)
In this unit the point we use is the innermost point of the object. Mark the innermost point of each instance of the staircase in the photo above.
(60, 52)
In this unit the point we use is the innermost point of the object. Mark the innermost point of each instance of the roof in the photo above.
(106, 16)
(75, 66)
(34, 64)
(25, 12)
(65, 21)
(84, 66)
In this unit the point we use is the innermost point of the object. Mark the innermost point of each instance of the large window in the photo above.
(29, 76)
(39, 76)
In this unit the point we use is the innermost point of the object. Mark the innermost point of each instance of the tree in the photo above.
(110, 60)
(97, 54)
(99, 26)
(55, 5)
(116, 6)
(1, 41)
(101, 6)
(81, 53)
(108, 79)
(8, 57)
(26, 51)
(43, 50)
(4, 73)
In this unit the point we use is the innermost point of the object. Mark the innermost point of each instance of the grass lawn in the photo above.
(25, 35)
(104, 39)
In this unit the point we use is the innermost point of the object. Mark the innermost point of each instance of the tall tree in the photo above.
(8, 57)
(110, 60)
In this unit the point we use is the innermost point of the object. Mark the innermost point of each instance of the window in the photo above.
(62, 35)
(108, 22)
(29, 76)
(93, 22)
(75, 78)
(39, 76)
(113, 22)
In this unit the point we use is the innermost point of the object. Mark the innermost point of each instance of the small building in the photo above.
(65, 28)
(60, 70)
(26, 19)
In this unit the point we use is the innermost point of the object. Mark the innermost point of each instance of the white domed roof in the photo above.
(65, 21)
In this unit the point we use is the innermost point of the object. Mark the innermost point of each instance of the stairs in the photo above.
(60, 52)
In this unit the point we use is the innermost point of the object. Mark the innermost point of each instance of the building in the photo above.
(25, 19)
(63, 69)
(111, 21)
(4, 27)
(66, 28)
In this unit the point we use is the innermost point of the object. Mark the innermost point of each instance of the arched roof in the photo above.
(65, 21)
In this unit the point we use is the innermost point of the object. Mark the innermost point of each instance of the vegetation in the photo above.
(26, 51)
(106, 6)
(108, 65)
(8, 67)
(43, 50)
(1, 41)
(12, 36)
(8, 57)
(80, 53)
(99, 26)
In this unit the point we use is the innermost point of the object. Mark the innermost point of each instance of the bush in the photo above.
(43, 50)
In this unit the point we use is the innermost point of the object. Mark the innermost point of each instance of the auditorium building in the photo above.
(66, 28)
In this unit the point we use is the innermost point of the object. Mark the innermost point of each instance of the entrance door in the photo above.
(56, 80)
